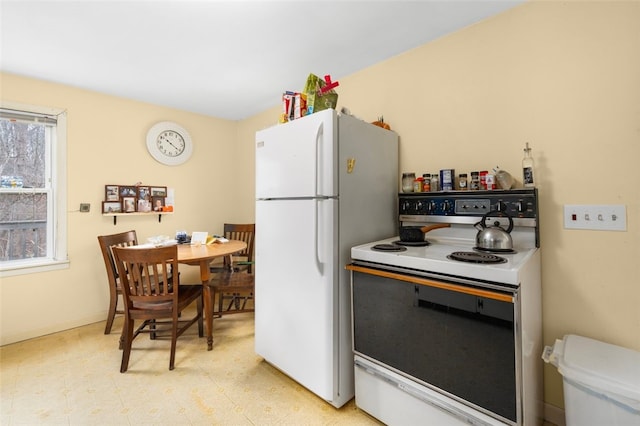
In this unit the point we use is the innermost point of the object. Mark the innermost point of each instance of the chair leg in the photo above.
(127, 332)
(220, 300)
(174, 338)
(111, 314)
(200, 316)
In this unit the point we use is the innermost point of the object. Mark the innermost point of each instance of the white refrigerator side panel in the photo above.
(297, 159)
(295, 270)
(368, 175)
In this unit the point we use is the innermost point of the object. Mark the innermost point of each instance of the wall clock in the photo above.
(169, 143)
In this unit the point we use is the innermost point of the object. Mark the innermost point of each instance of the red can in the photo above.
(483, 179)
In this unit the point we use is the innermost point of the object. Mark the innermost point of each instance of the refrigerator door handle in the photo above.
(319, 137)
(316, 231)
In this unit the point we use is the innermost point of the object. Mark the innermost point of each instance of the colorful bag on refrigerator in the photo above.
(320, 93)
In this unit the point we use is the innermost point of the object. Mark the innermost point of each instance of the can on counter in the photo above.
(417, 184)
(447, 179)
(475, 181)
(490, 181)
(483, 179)
(462, 182)
(426, 182)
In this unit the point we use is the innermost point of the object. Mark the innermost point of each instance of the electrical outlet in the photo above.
(605, 217)
(85, 207)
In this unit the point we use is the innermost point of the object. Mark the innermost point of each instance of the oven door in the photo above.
(454, 336)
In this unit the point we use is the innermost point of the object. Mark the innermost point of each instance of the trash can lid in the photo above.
(604, 367)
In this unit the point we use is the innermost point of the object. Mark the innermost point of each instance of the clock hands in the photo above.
(166, 139)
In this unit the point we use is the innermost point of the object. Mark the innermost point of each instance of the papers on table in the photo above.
(198, 238)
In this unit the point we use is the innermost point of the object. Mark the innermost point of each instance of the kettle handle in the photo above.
(497, 213)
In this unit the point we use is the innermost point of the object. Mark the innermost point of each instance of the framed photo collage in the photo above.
(132, 199)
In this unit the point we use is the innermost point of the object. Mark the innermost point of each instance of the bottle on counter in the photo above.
(426, 182)
(490, 181)
(417, 184)
(462, 182)
(435, 182)
(407, 181)
(475, 181)
(483, 179)
(528, 172)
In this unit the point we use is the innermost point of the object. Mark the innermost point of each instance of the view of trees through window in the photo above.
(24, 190)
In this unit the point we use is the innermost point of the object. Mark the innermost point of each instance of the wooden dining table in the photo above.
(202, 255)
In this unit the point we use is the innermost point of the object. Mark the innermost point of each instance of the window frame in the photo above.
(57, 216)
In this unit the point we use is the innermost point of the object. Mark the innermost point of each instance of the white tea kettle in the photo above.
(494, 238)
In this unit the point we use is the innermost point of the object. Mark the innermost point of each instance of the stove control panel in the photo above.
(465, 206)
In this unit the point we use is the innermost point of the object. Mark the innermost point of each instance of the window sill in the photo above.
(23, 267)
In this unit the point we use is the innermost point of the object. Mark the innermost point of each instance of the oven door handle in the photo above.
(487, 294)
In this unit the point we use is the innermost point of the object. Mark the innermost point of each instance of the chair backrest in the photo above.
(243, 232)
(107, 243)
(146, 276)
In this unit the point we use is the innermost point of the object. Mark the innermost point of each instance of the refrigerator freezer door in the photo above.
(297, 159)
(295, 290)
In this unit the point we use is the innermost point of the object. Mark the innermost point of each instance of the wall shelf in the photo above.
(115, 215)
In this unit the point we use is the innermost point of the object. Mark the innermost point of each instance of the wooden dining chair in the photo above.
(242, 260)
(233, 291)
(233, 284)
(107, 243)
(153, 294)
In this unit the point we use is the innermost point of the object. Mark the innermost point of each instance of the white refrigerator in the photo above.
(324, 183)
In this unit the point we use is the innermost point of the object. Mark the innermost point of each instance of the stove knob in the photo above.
(519, 206)
(501, 207)
(447, 206)
(419, 206)
(431, 207)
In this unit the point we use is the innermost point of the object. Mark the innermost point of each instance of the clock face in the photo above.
(169, 143)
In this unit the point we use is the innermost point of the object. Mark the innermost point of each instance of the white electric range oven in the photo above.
(443, 332)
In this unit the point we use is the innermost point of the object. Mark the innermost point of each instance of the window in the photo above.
(32, 189)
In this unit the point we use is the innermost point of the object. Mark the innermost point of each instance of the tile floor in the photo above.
(73, 378)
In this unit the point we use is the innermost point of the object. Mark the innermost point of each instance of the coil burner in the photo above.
(412, 243)
(388, 247)
(475, 257)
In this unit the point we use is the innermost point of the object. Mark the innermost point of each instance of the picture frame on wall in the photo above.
(111, 207)
(111, 193)
(159, 191)
(128, 191)
(129, 204)
(144, 206)
(144, 193)
(157, 203)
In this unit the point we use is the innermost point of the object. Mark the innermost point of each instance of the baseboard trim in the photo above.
(554, 415)
(50, 329)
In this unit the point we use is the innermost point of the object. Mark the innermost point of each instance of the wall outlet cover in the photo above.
(85, 207)
(598, 217)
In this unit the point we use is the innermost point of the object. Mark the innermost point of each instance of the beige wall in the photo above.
(565, 77)
(106, 145)
(560, 75)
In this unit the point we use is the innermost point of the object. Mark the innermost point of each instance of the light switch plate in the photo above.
(598, 217)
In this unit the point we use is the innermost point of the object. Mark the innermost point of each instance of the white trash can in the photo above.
(601, 382)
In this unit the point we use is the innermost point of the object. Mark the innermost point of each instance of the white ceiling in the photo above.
(226, 59)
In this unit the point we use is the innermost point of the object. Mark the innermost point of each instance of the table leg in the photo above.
(205, 276)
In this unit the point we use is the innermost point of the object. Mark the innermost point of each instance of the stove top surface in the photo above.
(435, 258)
